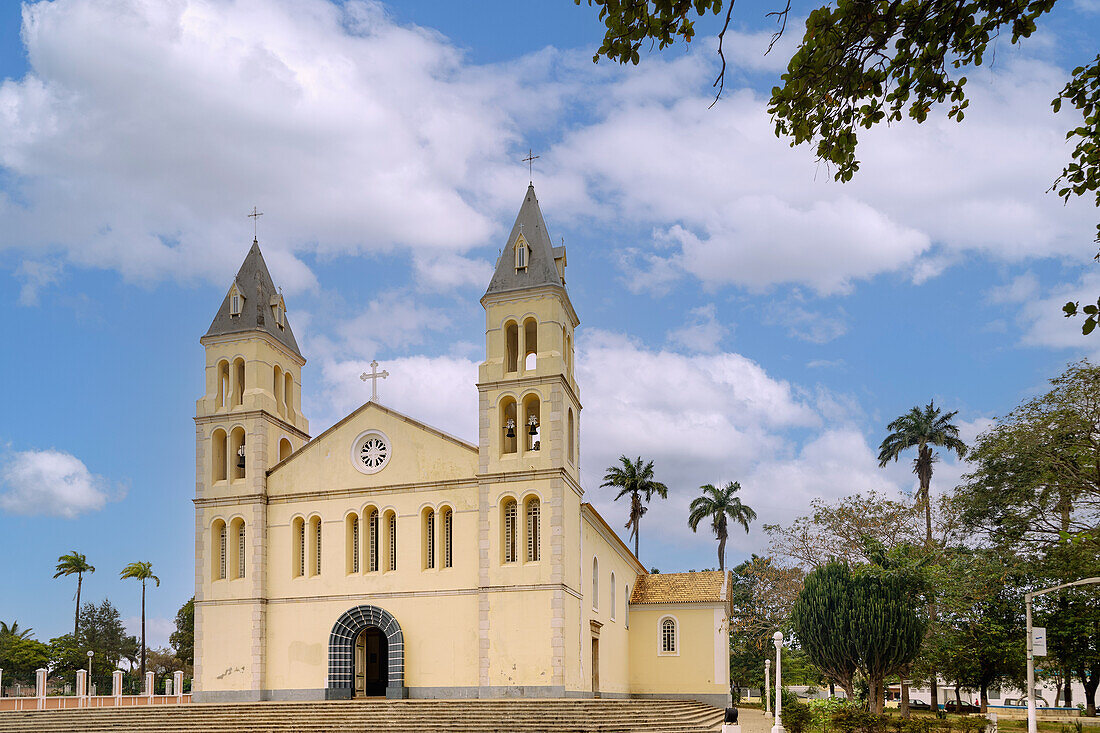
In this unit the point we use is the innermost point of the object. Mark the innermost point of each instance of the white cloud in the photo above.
(36, 275)
(702, 332)
(157, 630)
(50, 483)
(1020, 289)
(805, 324)
(1044, 323)
(156, 126)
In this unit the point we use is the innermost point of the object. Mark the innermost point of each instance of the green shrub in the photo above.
(796, 715)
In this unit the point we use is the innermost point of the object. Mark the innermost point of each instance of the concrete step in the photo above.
(398, 716)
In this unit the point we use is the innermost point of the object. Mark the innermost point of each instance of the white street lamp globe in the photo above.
(778, 639)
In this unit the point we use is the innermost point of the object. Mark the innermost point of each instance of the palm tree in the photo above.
(720, 505)
(14, 630)
(69, 564)
(142, 571)
(637, 480)
(922, 429)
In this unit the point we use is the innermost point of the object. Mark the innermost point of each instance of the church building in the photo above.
(385, 557)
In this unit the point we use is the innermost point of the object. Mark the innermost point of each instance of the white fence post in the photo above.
(168, 686)
(1, 682)
(149, 685)
(116, 685)
(177, 678)
(81, 687)
(40, 687)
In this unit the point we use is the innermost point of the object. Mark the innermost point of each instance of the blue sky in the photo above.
(743, 316)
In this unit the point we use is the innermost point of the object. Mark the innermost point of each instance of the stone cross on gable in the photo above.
(374, 376)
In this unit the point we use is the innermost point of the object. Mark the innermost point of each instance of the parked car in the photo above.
(919, 705)
(1021, 702)
(951, 707)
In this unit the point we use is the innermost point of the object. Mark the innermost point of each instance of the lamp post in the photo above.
(777, 638)
(767, 687)
(88, 684)
(1032, 726)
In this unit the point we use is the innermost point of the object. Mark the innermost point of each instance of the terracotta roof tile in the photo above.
(708, 586)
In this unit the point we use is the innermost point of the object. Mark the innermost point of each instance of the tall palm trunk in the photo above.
(143, 631)
(924, 476)
(76, 616)
(636, 515)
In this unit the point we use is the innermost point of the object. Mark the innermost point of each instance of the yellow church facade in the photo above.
(386, 557)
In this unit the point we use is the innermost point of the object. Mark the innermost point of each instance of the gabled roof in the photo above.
(254, 283)
(707, 586)
(541, 269)
(387, 410)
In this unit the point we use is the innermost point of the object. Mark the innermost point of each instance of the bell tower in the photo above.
(248, 420)
(530, 403)
(529, 452)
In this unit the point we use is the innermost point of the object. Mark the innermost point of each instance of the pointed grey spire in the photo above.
(257, 312)
(542, 268)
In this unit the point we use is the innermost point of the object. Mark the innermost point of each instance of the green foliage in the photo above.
(183, 638)
(634, 479)
(866, 619)
(102, 633)
(630, 23)
(796, 715)
(20, 655)
(720, 505)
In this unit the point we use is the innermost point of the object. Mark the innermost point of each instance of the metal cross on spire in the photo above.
(530, 161)
(255, 216)
(374, 376)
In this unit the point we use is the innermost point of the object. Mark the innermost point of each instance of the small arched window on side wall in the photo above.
(372, 540)
(595, 584)
(508, 513)
(612, 597)
(391, 540)
(298, 553)
(277, 389)
(239, 386)
(223, 384)
(285, 449)
(669, 642)
(570, 439)
(288, 393)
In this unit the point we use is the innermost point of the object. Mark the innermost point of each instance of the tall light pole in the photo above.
(1032, 726)
(767, 687)
(777, 639)
(88, 684)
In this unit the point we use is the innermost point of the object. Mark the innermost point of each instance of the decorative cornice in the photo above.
(231, 415)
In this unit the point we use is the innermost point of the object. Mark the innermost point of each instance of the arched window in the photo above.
(218, 550)
(285, 449)
(668, 636)
(569, 428)
(626, 607)
(595, 584)
(351, 533)
(533, 539)
(236, 459)
(288, 393)
(509, 424)
(532, 431)
(236, 548)
(508, 513)
(530, 344)
(223, 384)
(429, 540)
(613, 596)
(277, 389)
(448, 538)
(372, 539)
(298, 560)
(238, 387)
(391, 540)
(315, 545)
(218, 450)
(511, 346)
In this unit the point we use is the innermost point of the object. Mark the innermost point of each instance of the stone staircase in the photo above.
(393, 716)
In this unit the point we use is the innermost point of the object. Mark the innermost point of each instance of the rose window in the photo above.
(373, 453)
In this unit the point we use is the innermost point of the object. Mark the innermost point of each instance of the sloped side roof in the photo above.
(255, 284)
(541, 269)
(708, 586)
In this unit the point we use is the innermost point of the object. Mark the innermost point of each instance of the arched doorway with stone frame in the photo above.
(368, 627)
